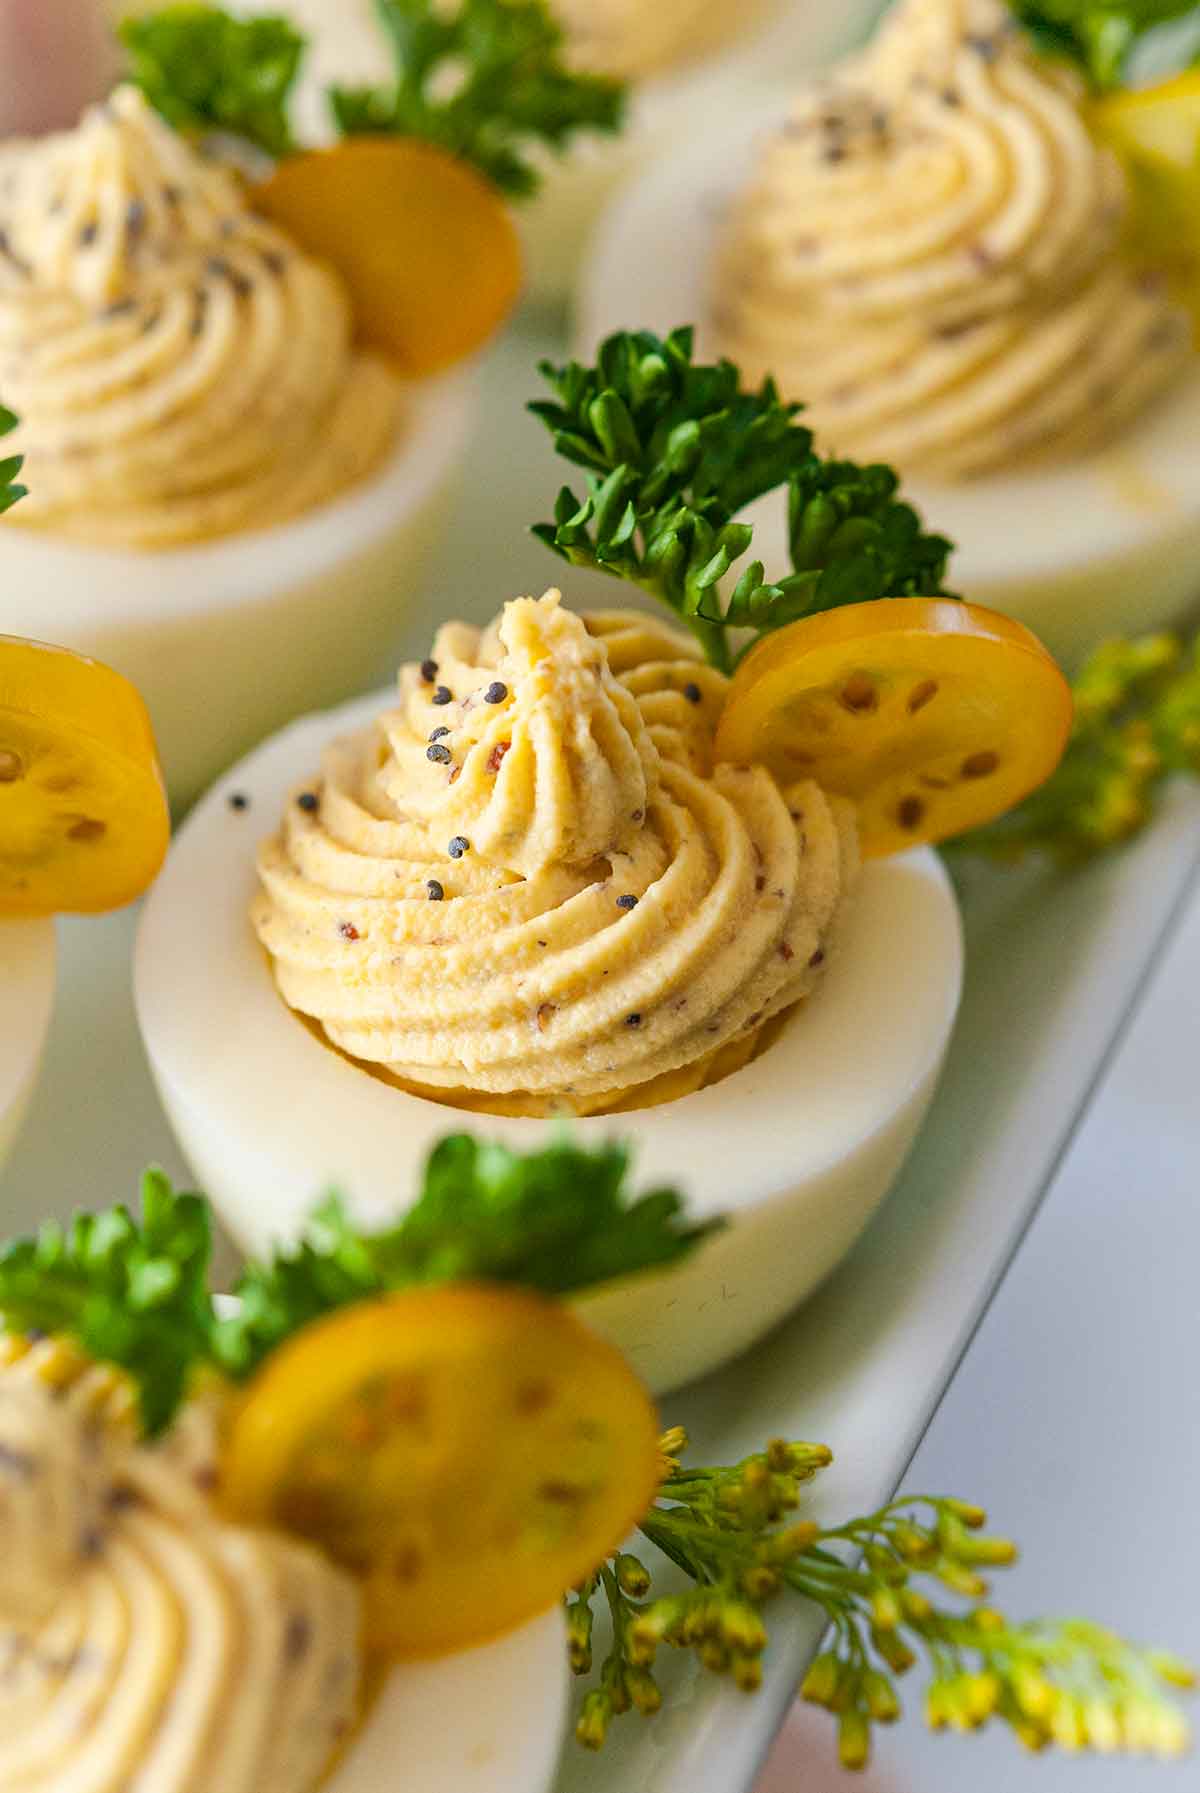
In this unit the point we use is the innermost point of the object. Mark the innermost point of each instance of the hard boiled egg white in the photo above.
(27, 961)
(1077, 551)
(489, 1720)
(798, 1148)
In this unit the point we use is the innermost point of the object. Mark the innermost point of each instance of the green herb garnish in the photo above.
(1099, 36)
(558, 1220)
(205, 70)
(10, 467)
(511, 90)
(733, 1533)
(135, 1294)
(131, 1292)
(674, 451)
(1137, 723)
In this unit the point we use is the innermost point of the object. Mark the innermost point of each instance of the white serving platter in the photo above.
(1054, 968)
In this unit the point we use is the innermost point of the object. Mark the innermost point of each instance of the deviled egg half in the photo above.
(229, 496)
(154, 1641)
(929, 250)
(684, 60)
(523, 888)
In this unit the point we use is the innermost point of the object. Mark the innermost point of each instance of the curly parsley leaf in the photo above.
(558, 1219)
(673, 450)
(486, 81)
(1137, 723)
(1098, 36)
(205, 70)
(10, 467)
(131, 1292)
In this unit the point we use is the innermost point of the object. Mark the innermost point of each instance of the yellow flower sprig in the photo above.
(733, 1534)
(1137, 724)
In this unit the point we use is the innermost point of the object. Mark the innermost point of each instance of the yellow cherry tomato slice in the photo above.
(426, 245)
(83, 815)
(470, 1452)
(934, 716)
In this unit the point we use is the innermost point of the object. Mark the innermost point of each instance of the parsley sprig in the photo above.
(558, 1219)
(674, 450)
(512, 88)
(135, 1293)
(1099, 36)
(131, 1292)
(207, 71)
(1137, 724)
(10, 466)
(732, 1532)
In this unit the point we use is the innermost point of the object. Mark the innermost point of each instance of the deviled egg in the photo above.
(155, 1641)
(928, 251)
(586, 865)
(550, 901)
(227, 494)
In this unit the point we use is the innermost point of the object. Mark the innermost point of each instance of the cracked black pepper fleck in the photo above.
(436, 892)
(439, 732)
(692, 692)
(495, 693)
(627, 902)
(238, 800)
(441, 756)
(443, 695)
(308, 801)
(429, 671)
(458, 846)
(634, 1020)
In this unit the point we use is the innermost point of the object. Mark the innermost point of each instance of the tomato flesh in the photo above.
(470, 1452)
(932, 715)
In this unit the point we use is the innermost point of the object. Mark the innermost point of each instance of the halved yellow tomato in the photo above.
(426, 244)
(934, 716)
(470, 1452)
(83, 815)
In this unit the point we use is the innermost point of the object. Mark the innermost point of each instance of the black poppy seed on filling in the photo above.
(443, 695)
(458, 846)
(628, 901)
(439, 732)
(495, 693)
(436, 891)
(429, 671)
(441, 756)
(308, 801)
(692, 692)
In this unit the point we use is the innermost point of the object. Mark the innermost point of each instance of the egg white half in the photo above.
(489, 1720)
(798, 1148)
(1106, 545)
(27, 966)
